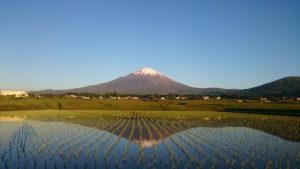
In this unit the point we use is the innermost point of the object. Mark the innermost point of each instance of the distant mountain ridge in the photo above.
(286, 86)
(150, 81)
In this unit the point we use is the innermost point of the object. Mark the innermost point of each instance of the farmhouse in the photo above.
(206, 98)
(239, 101)
(13, 93)
(181, 98)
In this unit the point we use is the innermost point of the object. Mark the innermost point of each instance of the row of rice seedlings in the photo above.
(132, 129)
(85, 149)
(102, 144)
(95, 149)
(19, 153)
(154, 160)
(232, 152)
(280, 152)
(51, 141)
(149, 134)
(218, 148)
(52, 155)
(153, 156)
(180, 141)
(7, 129)
(80, 139)
(203, 158)
(180, 151)
(108, 151)
(141, 151)
(171, 153)
(203, 150)
(182, 146)
(168, 129)
(110, 123)
(70, 144)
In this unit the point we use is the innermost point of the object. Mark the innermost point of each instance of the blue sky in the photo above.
(203, 43)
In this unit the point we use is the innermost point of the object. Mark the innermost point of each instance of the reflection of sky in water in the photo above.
(32, 144)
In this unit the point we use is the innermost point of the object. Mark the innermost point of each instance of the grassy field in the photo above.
(10, 104)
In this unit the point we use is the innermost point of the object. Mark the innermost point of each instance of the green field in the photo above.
(10, 104)
(198, 113)
(282, 126)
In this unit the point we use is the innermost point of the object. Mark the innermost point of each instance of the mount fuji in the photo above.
(142, 81)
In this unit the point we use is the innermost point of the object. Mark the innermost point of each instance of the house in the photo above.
(205, 97)
(181, 98)
(264, 99)
(14, 93)
(218, 98)
(135, 98)
(71, 96)
(162, 98)
(298, 99)
(85, 97)
(239, 101)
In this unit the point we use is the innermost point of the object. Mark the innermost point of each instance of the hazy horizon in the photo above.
(69, 44)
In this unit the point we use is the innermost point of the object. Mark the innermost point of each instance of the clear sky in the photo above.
(63, 44)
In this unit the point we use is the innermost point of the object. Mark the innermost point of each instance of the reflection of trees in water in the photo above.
(65, 145)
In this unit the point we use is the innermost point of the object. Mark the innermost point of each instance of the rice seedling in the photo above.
(134, 139)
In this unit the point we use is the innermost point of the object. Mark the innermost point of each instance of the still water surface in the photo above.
(34, 144)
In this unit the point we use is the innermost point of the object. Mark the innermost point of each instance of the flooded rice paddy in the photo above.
(141, 142)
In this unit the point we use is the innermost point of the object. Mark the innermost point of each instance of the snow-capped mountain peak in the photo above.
(147, 71)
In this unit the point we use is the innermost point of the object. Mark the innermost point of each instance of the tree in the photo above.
(59, 106)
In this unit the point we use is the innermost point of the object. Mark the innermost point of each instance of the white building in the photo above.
(85, 97)
(72, 96)
(13, 93)
(206, 98)
(239, 101)
(135, 98)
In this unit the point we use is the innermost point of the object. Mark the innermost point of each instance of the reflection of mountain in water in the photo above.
(158, 129)
(61, 145)
(144, 143)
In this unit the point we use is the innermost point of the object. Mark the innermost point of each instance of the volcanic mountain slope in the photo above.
(288, 86)
(143, 81)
